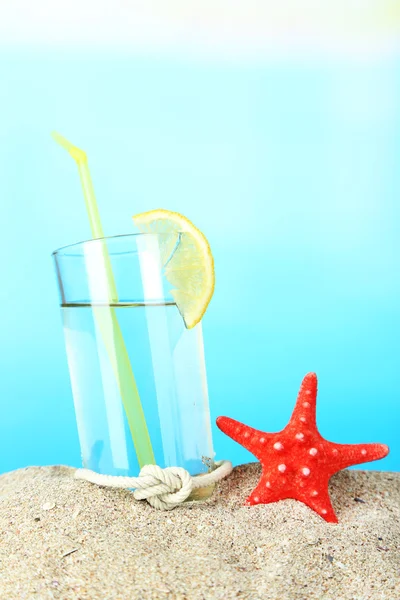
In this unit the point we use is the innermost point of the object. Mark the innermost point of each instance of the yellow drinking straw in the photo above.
(107, 321)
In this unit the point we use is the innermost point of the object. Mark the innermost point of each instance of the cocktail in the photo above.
(131, 308)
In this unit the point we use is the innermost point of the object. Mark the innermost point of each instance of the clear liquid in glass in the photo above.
(168, 364)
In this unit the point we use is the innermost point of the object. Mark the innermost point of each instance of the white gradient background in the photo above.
(227, 29)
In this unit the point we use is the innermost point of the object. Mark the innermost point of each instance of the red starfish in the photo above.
(298, 462)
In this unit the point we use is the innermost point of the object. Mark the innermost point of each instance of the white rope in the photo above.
(162, 488)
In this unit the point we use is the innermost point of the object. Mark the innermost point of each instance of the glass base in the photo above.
(203, 493)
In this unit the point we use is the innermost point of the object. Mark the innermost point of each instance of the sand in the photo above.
(68, 539)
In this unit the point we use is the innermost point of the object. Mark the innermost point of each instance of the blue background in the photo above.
(291, 170)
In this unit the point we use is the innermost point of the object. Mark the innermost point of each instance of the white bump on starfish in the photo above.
(268, 484)
(303, 419)
(313, 451)
(299, 436)
(308, 392)
(364, 452)
(314, 493)
(262, 440)
(246, 434)
(324, 511)
(335, 452)
(282, 468)
(256, 499)
(306, 404)
(306, 471)
(278, 446)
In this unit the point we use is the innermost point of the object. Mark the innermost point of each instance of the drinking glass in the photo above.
(131, 335)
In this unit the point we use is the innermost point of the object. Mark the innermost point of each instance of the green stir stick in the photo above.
(107, 321)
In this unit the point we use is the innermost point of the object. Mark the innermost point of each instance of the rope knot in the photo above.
(163, 488)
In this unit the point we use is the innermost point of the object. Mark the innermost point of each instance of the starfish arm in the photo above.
(322, 505)
(252, 439)
(347, 455)
(306, 404)
(261, 495)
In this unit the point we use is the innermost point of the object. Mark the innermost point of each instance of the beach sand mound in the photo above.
(68, 539)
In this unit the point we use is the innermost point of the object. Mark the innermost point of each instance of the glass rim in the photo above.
(106, 238)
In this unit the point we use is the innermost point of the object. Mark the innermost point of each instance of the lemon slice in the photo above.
(190, 268)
